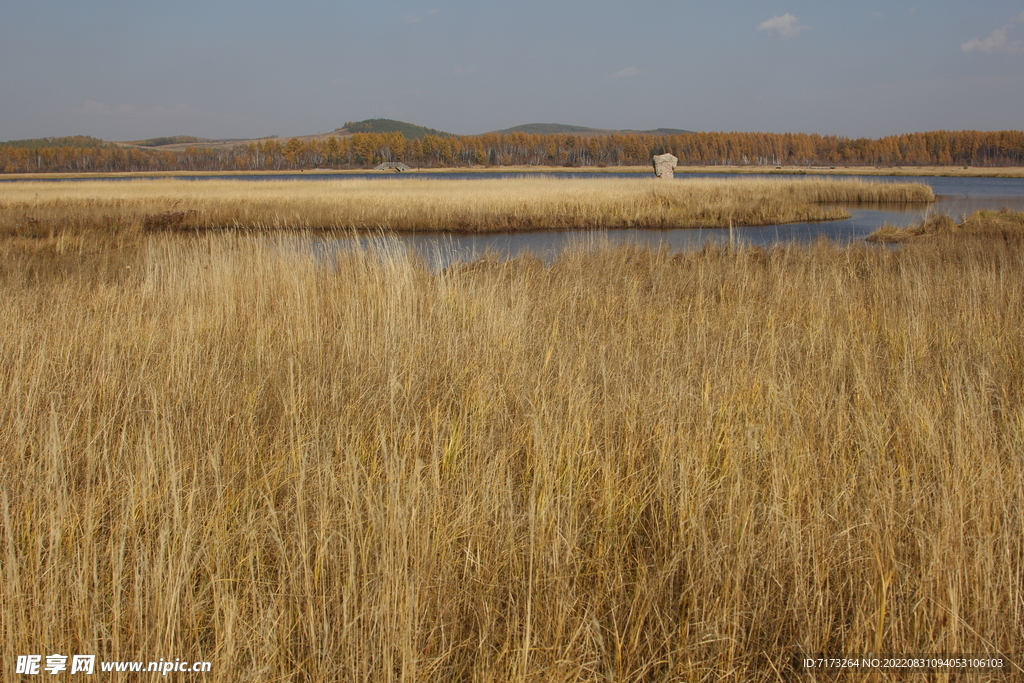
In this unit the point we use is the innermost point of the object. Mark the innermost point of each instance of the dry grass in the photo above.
(411, 204)
(627, 466)
(1002, 224)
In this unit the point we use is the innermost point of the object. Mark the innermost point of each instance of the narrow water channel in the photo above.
(959, 197)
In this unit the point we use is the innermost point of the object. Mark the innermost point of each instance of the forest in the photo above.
(366, 150)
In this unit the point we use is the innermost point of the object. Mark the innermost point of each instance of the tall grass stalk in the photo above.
(630, 465)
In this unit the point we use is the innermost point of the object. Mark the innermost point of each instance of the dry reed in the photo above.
(1003, 224)
(414, 204)
(627, 466)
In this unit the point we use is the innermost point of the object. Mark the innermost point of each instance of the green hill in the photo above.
(71, 141)
(562, 129)
(409, 130)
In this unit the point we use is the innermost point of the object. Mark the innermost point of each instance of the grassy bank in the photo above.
(414, 204)
(1002, 224)
(629, 465)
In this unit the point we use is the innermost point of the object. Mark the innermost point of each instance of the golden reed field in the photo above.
(418, 204)
(630, 465)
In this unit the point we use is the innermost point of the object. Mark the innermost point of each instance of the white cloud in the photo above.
(465, 70)
(625, 73)
(996, 42)
(785, 26)
(410, 19)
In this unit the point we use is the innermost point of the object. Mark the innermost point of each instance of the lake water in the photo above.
(957, 196)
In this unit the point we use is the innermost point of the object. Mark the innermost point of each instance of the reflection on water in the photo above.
(443, 249)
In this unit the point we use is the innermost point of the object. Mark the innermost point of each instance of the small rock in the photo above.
(664, 164)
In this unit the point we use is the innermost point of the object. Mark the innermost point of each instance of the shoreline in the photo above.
(892, 171)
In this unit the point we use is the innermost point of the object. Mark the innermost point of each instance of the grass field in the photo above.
(630, 465)
(416, 204)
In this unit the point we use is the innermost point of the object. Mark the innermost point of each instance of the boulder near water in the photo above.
(664, 165)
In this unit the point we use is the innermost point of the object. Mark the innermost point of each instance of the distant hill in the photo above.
(181, 140)
(662, 131)
(178, 143)
(561, 128)
(409, 130)
(551, 128)
(172, 140)
(72, 141)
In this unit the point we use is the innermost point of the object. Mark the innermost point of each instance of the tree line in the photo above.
(366, 150)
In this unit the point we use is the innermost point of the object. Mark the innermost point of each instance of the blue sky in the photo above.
(121, 70)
